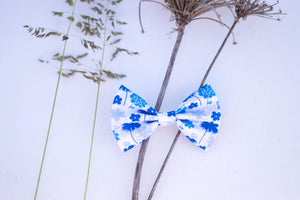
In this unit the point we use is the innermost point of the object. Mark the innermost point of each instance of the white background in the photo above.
(256, 155)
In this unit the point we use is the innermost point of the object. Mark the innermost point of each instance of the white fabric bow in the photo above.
(198, 117)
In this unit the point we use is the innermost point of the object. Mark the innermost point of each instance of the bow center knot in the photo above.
(166, 118)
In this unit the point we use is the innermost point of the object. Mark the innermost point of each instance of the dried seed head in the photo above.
(184, 11)
(245, 8)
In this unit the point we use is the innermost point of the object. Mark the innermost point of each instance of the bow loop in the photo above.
(198, 117)
(133, 120)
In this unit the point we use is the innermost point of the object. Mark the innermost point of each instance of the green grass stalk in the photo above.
(97, 102)
(53, 107)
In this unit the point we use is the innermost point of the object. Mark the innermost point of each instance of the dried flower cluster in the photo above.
(245, 8)
(185, 11)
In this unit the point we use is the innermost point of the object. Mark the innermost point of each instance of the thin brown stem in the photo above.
(178, 133)
(139, 165)
(218, 53)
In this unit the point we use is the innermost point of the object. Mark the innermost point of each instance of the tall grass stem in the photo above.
(53, 107)
(97, 102)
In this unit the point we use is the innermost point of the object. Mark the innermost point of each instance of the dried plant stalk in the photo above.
(178, 132)
(183, 12)
(138, 170)
(243, 8)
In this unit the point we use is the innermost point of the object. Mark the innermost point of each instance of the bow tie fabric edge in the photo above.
(133, 120)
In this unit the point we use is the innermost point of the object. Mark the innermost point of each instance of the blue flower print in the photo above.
(210, 127)
(191, 139)
(202, 147)
(216, 116)
(122, 87)
(152, 111)
(116, 135)
(138, 101)
(206, 91)
(117, 114)
(218, 104)
(187, 123)
(188, 98)
(193, 105)
(181, 110)
(128, 148)
(171, 113)
(130, 127)
(197, 97)
(126, 90)
(134, 117)
(117, 100)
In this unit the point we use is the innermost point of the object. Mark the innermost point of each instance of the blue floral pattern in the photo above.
(138, 101)
(218, 104)
(206, 91)
(171, 113)
(151, 110)
(202, 147)
(128, 148)
(189, 97)
(117, 100)
(134, 117)
(193, 105)
(130, 126)
(133, 120)
(216, 116)
(181, 110)
(187, 123)
(210, 126)
(191, 139)
(116, 135)
(122, 87)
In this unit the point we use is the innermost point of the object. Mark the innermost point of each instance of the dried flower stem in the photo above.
(243, 8)
(53, 107)
(186, 11)
(183, 12)
(97, 101)
(138, 170)
(178, 133)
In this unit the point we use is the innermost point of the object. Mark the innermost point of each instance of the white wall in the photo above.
(256, 155)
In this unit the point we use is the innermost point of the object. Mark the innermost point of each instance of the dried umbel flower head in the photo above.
(185, 11)
(245, 8)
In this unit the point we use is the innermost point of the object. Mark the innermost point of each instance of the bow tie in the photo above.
(133, 120)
